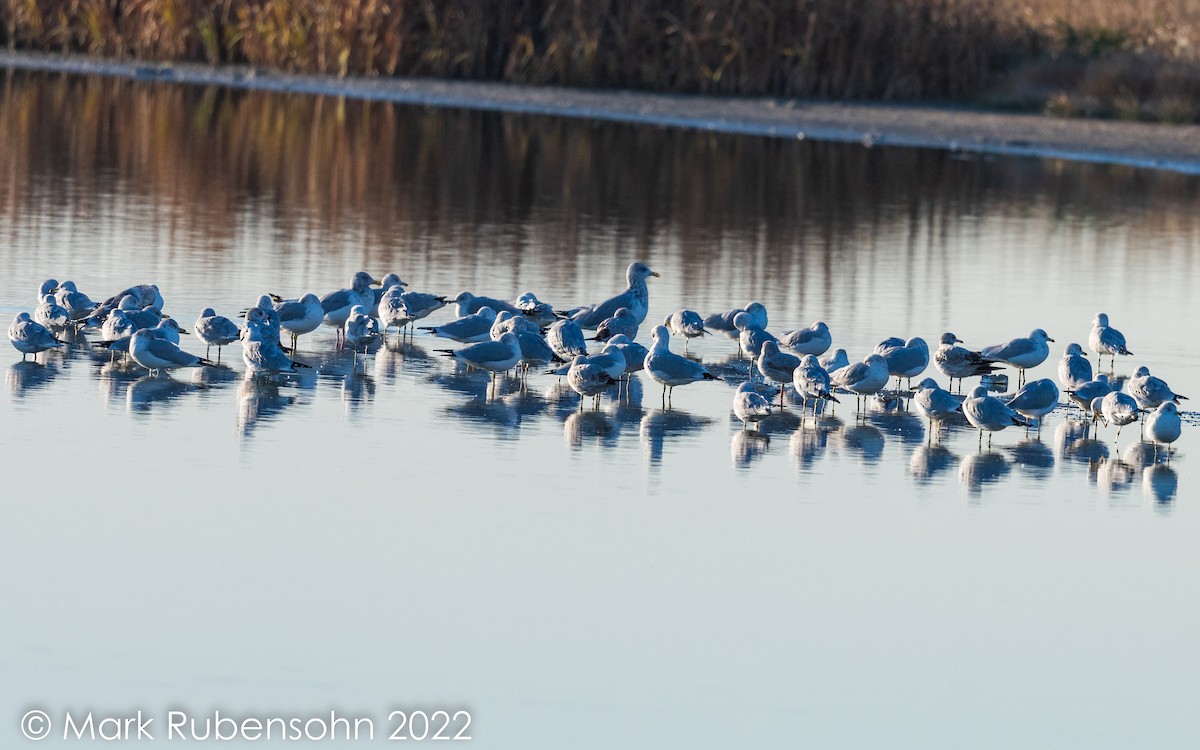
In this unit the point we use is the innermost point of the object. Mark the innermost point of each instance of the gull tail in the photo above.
(1179, 397)
(829, 397)
(710, 376)
(445, 352)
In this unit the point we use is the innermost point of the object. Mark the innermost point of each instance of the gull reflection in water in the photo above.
(591, 427)
(259, 401)
(27, 377)
(927, 461)
(1068, 432)
(1114, 476)
(747, 447)
(1139, 455)
(1034, 457)
(863, 439)
(155, 390)
(901, 424)
(397, 358)
(978, 469)
(659, 425)
(1160, 483)
(812, 439)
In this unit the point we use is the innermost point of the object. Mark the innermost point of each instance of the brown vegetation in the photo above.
(1070, 57)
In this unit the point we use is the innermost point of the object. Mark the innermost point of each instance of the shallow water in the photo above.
(632, 576)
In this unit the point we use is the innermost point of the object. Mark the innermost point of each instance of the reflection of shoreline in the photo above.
(1169, 147)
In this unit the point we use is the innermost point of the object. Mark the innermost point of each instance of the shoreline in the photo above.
(1174, 148)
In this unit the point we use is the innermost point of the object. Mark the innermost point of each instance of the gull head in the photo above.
(660, 334)
(917, 342)
(362, 280)
(392, 280)
(461, 298)
(310, 299)
(1167, 407)
(820, 327)
(129, 304)
(1101, 320)
(23, 318)
(742, 321)
(49, 286)
(769, 349)
(927, 383)
(978, 392)
(639, 272)
(1073, 349)
(1141, 372)
(1038, 334)
(208, 312)
(487, 312)
(949, 339)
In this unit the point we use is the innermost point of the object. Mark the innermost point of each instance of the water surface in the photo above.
(633, 576)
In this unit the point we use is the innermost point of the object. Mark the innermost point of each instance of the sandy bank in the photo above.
(1171, 147)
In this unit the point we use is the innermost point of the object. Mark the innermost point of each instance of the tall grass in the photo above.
(1108, 57)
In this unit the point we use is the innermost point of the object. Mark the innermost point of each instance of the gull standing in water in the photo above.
(986, 412)
(685, 323)
(29, 337)
(935, 404)
(1022, 352)
(815, 339)
(751, 336)
(812, 382)
(1148, 391)
(336, 306)
(78, 304)
(1164, 425)
(1073, 369)
(541, 313)
(299, 316)
(215, 330)
(472, 329)
(361, 331)
(1035, 400)
(906, 360)
(863, 378)
(635, 353)
(621, 322)
(749, 405)
(1084, 395)
(493, 356)
(588, 379)
(777, 366)
(260, 348)
(835, 361)
(666, 367)
(1106, 340)
(636, 297)
(1119, 409)
(959, 362)
(566, 339)
(389, 280)
(400, 308)
(51, 314)
(155, 353)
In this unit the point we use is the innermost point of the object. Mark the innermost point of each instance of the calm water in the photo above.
(631, 577)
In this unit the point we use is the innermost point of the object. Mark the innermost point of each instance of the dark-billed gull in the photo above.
(749, 405)
(29, 337)
(959, 362)
(636, 297)
(1022, 352)
(988, 413)
(1074, 369)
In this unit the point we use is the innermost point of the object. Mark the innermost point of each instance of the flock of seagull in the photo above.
(527, 333)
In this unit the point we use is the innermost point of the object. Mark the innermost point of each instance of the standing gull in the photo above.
(621, 322)
(906, 360)
(636, 297)
(1164, 425)
(1021, 352)
(935, 404)
(566, 339)
(816, 339)
(476, 328)
(336, 306)
(1073, 369)
(812, 382)
(299, 316)
(155, 353)
(749, 405)
(1084, 395)
(1119, 409)
(959, 362)
(493, 356)
(1149, 391)
(685, 323)
(469, 304)
(1035, 400)
(215, 330)
(722, 322)
(29, 337)
(587, 379)
(1106, 340)
(78, 304)
(670, 369)
(986, 412)
(751, 336)
(51, 314)
(777, 366)
(863, 378)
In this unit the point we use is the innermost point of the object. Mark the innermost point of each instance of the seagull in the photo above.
(260, 348)
(1022, 353)
(337, 305)
(566, 339)
(635, 353)
(517, 323)
(621, 322)
(1119, 409)
(49, 286)
(167, 330)
(51, 314)
(215, 330)
(493, 356)
(777, 366)
(986, 412)
(1035, 400)
(148, 316)
(535, 352)
(723, 322)
(685, 323)
(836, 361)
(959, 362)
(636, 297)
(361, 331)
(475, 328)
(812, 382)
(76, 302)
(1149, 391)
(29, 337)
(1093, 389)
(469, 304)
(153, 352)
(906, 359)
(1164, 425)
(400, 308)
(1073, 369)
(935, 404)
(815, 339)
(541, 313)
(752, 336)
(389, 281)
(298, 316)
(587, 379)
(116, 326)
(749, 405)
(670, 369)
(863, 378)
(1105, 340)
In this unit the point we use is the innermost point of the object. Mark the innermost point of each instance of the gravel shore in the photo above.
(1170, 147)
